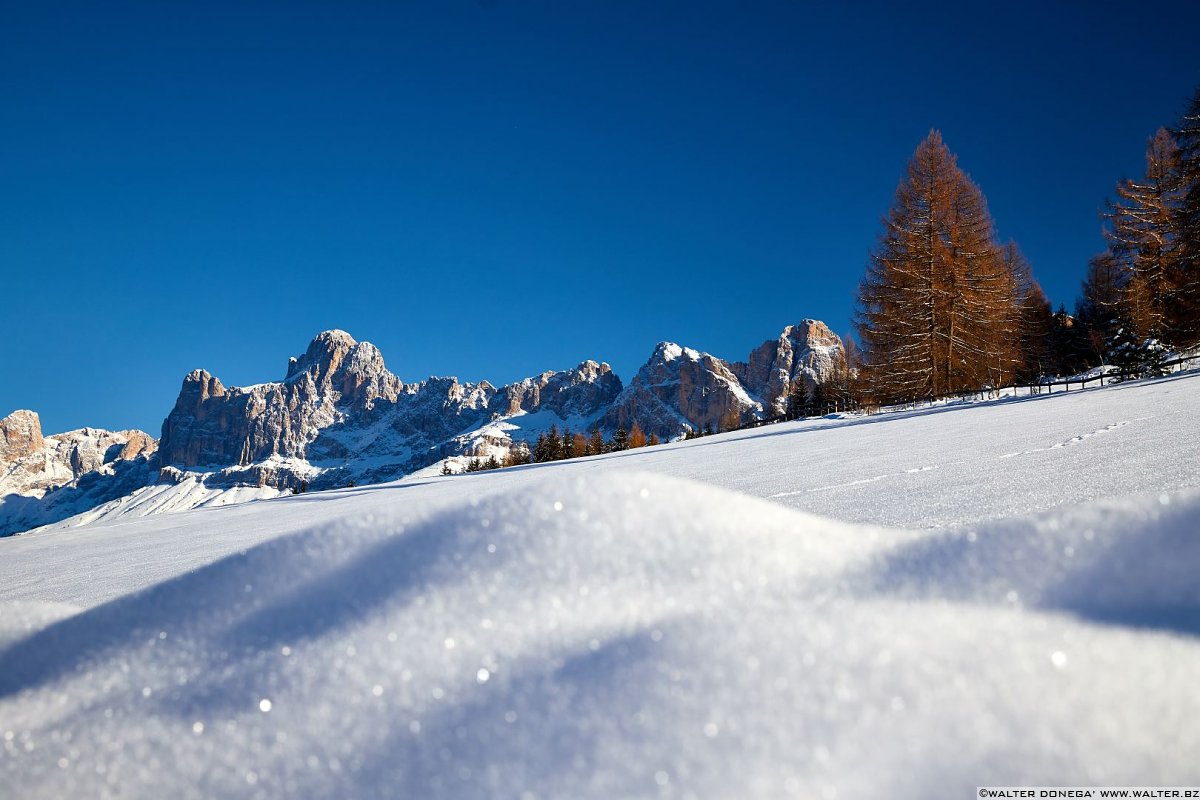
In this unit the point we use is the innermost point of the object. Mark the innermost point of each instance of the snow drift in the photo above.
(626, 635)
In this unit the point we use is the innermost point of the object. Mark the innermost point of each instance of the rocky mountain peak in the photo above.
(324, 354)
(20, 436)
(808, 351)
(669, 351)
(680, 388)
(202, 384)
(812, 333)
(340, 416)
(337, 363)
(578, 392)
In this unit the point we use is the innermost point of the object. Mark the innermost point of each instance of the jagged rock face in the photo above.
(808, 351)
(337, 380)
(680, 388)
(31, 463)
(44, 479)
(340, 408)
(89, 449)
(579, 392)
(354, 371)
(677, 389)
(339, 416)
(20, 436)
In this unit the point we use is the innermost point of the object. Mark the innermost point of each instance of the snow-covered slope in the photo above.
(627, 626)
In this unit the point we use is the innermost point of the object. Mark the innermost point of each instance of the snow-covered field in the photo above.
(908, 605)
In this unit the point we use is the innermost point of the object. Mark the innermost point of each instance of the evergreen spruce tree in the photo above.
(798, 399)
(446, 468)
(596, 443)
(653, 440)
(817, 400)
(1136, 357)
(620, 440)
(553, 444)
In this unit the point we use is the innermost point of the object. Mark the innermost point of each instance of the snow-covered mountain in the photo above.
(47, 478)
(808, 351)
(340, 417)
(680, 388)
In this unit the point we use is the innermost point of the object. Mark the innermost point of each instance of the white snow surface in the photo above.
(989, 594)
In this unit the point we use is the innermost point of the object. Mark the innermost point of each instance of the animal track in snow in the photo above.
(855, 483)
(1074, 439)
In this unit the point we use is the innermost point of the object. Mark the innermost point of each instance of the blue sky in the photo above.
(491, 189)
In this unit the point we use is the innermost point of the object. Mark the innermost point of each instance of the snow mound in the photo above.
(626, 635)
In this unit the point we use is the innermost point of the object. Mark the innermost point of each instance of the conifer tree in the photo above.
(855, 374)
(653, 440)
(1186, 303)
(1102, 304)
(637, 438)
(1143, 239)
(1035, 318)
(1037, 337)
(798, 399)
(837, 386)
(937, 309)
(579, 446)
(518, 454)
(446, 468)
(817, 400)
(1134, 356)
(596, 443)
(620, 440)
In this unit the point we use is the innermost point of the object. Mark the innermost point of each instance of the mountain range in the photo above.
(339, 417)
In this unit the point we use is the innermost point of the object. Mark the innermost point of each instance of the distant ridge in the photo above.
(340, 417)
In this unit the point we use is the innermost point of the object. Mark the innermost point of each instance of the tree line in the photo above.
(945, 307)
(555, 446)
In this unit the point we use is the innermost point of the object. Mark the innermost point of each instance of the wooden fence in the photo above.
(1112, 376)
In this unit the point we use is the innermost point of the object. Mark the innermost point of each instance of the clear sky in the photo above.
(491, 189)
